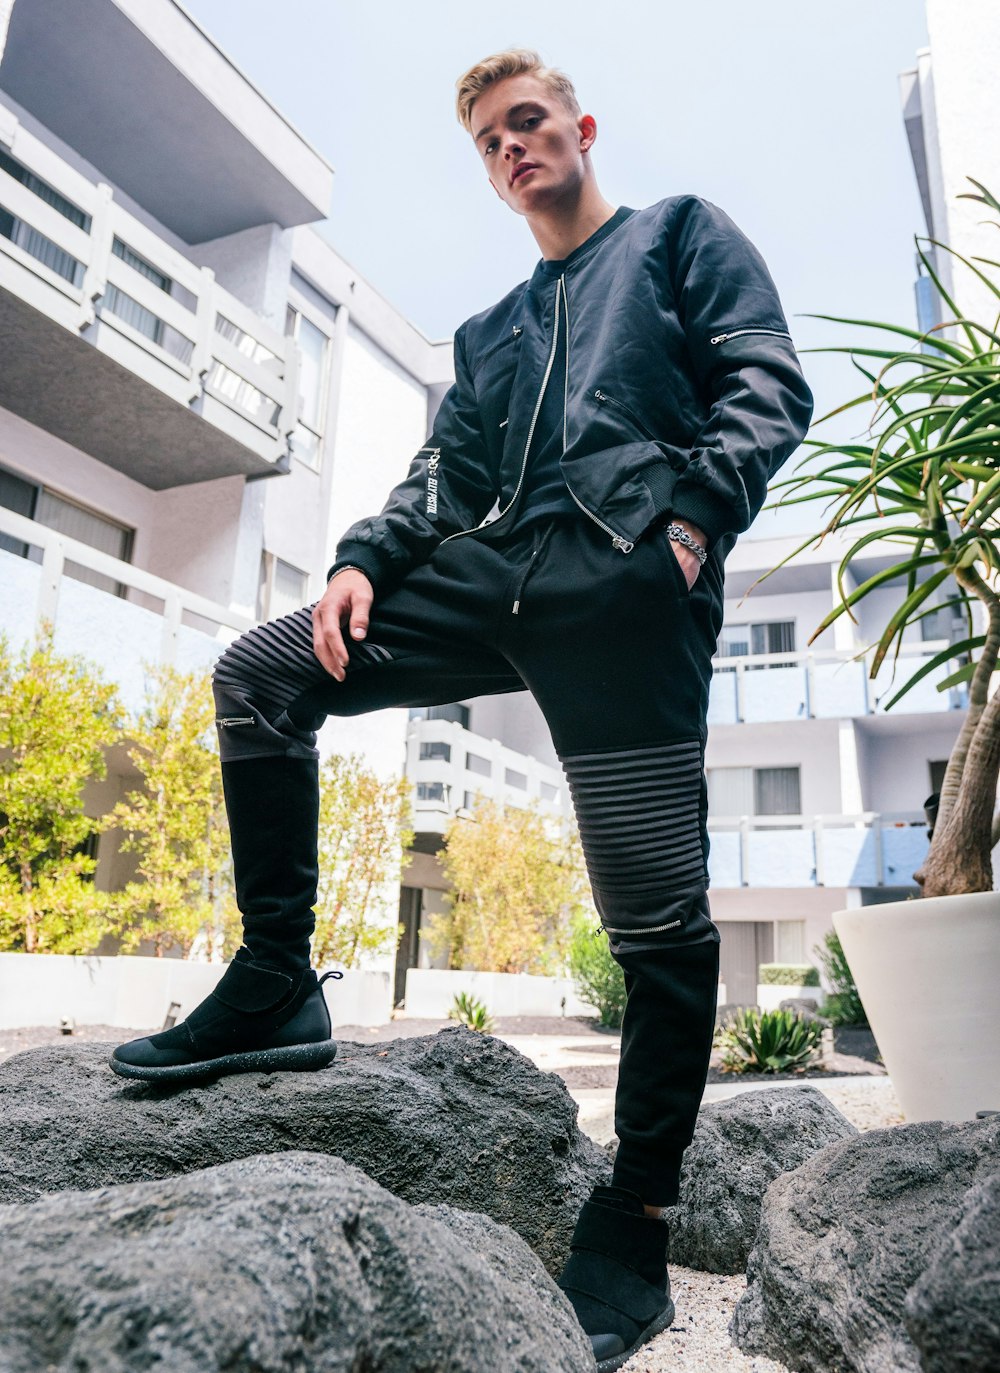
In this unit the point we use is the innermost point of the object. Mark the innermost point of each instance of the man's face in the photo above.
(531, 144)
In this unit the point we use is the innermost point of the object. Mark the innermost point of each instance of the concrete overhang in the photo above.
(141, 91)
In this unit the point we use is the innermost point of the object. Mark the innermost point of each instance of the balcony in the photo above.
(155, 623)
(117, 343)
(867, 850)
(768, 687)
(449, 766)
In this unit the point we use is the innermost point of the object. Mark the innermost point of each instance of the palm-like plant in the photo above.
(930, 479)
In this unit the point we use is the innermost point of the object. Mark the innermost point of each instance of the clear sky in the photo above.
(784, 112)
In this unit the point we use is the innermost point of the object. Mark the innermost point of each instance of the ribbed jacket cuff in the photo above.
(701, 507)
(365, 560)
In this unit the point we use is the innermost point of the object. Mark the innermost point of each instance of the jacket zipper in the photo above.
(531, 428)
(617, 540)
(604, 399)
(228, 721)
(431, 485)
(512, 337)
(735, 333)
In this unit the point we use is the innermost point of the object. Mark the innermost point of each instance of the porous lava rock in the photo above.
(846, 1238)
(453, 1117)
(740, 1146)
(267, 1264)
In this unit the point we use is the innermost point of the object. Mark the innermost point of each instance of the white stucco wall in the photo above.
(964, 51)
(810, 745)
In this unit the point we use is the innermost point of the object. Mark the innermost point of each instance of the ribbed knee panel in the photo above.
(641, 824)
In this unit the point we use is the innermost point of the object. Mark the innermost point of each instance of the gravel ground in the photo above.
(698, 1341)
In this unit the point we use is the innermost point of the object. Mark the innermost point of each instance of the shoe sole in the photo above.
(293, 1058)
(662, 1322)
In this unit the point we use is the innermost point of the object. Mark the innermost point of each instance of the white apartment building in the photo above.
(198, 394)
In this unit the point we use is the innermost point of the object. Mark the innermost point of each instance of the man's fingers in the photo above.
(360, 606)
(328, 643)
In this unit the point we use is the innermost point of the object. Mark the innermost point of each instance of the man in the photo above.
(612, 428)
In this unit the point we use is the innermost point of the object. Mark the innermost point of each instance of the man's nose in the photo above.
(512, 148)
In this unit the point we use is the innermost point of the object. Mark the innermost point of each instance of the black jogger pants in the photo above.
(617, 653)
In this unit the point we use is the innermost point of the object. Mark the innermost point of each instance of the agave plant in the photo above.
(471, 1012)
(929, 479)
(769, 1041)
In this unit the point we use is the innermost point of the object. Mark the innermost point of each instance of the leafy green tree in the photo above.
(176, 823)
(57, 716)
(364, 832)
(598, 979)
(516, 882)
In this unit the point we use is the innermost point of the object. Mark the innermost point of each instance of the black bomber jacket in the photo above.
(683, 394)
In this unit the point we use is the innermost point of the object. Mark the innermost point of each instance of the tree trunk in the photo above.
(959, 859)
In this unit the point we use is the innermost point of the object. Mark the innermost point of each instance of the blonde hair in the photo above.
(510, 62)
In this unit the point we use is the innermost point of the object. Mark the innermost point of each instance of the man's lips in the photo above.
(520, 170)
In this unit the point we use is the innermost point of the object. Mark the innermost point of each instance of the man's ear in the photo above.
(587, 125)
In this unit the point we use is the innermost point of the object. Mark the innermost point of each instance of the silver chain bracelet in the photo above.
(680, 535)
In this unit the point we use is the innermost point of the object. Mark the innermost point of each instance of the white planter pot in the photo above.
(927, 972)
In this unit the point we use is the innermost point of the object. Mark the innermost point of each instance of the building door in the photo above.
(410, 901)
(745, 945)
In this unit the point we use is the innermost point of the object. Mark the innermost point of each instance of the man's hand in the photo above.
(690, 565)
(346, 601)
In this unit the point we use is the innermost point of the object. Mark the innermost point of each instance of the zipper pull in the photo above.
(518, 330)
(599, 395)
(599, 930)
(621, 544)
(719, 338)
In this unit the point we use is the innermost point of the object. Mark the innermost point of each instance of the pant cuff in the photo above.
(655, 1174)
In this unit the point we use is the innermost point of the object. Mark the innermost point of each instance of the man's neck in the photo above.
(561, 228)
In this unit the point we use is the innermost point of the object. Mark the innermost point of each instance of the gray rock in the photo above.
(740, 1146)
(846, 1236)
(456, 1117)
(952, 1312)
(804, 1006)
(275, 1263)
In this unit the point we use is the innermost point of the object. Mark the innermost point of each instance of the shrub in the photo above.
(769, 1042)
(598, 979)
(788, 975)
(471, 1012)
(843, 1005)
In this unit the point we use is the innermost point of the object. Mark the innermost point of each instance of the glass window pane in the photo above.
(776, 791)
(515, 779)
(289, 588)
(312, 347)
(730, 791)
(435, 749)
(790, 941)
(475, 763)
(88, 528)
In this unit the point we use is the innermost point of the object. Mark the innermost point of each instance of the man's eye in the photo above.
(490, 147)
(531, 119)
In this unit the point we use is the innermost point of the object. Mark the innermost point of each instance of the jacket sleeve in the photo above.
(449, 487)
(745, 363)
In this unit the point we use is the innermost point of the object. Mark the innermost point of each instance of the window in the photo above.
(754, 791)
(944, 622)
(549, 792)
(474, 762)
(42, 249)
(431, 791)
(246, 344)
(116, 302)
(435, 750)
(790, 941)
(44, 191)
(766, 636)
(242, 393)
(312, 343)
(66, 517)
(515, 779)
(282, 588)
(776, 791)
(459, 714)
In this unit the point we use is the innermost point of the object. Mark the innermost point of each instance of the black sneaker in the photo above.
(616, 1276)
(258, 1019)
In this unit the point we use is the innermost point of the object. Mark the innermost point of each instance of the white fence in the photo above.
(137, 993)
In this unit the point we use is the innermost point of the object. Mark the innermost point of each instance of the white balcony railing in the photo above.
(830, 684)
(867, 850)
(144, 303)
(449, 766)
(155, 622)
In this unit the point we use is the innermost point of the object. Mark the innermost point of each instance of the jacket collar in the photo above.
(548, 268)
